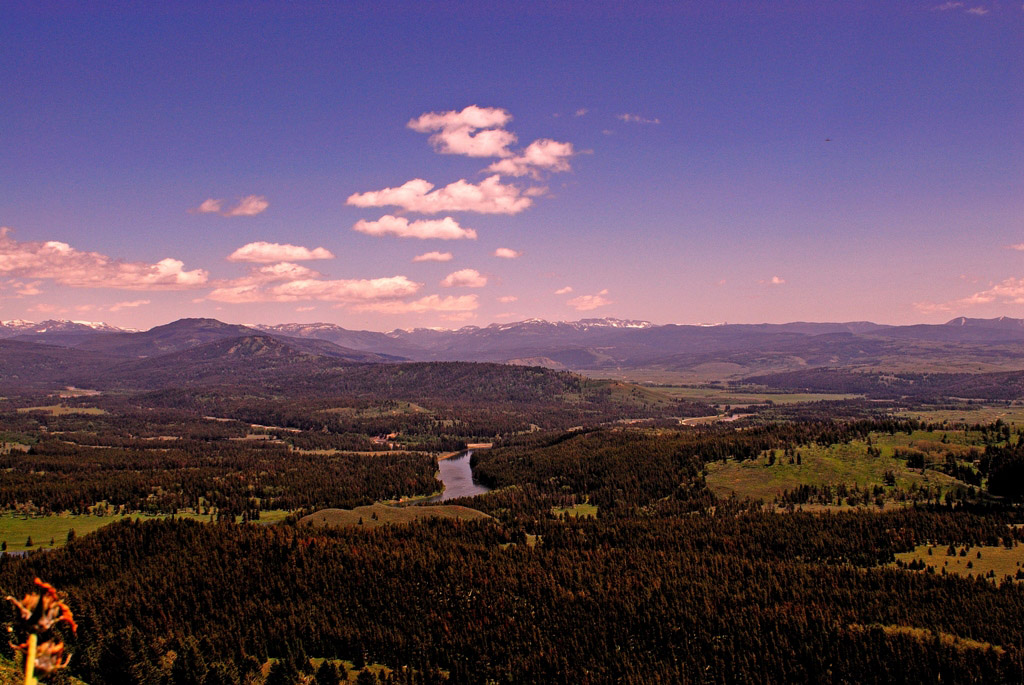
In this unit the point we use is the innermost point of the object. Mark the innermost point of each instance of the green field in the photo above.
(379, 514)
(60, 410)
(982, 414)
(16, 529)
(582, 510)
(835, 465)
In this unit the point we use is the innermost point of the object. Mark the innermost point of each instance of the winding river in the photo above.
(457, 477)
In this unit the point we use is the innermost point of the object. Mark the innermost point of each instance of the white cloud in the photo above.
(474, 131)
(209, 206)
(118, 306)
(775, 280)
(507, 253)
(490, 196)
(946, 6)
(433, 257)
(430, 303)
(979, 11)
(540, 155)
(440, 229)
(22, 288)
(273, 273)
(1017, 246)
(263, 252)
(287, 282)
(1007, 291)
(636, 119)
(585, 303)
(564, 291)
(341, 290)
(63, 264)
(581, 111)
(507, 299)
(250, 205)
(464, 278)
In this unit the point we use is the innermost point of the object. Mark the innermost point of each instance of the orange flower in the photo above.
(39, 613)
(48, 656)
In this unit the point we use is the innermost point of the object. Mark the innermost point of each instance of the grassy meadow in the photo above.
(994, 563)
(16, 528)
(378, 514)
(846, 464)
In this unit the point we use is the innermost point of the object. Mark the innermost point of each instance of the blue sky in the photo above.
(676, 162)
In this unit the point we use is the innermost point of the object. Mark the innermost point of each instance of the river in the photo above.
(457, 477)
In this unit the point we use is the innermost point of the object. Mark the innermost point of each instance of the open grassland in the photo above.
(845, 464)
(60, 410)
(741, 397)
(377, 411)
(970, 415)
(703, 373)
(17, 528)
(378, 514)
(994, 563)
(379, 670)
(663, 395)
(582, 510)
(619, 392)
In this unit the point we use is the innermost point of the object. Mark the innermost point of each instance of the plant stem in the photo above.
(30, 660)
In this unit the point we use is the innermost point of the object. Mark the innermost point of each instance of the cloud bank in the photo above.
(540, 155)
(585, 303)
(490, 196)
(263, 252)
(474, 131)
(440, 229)
(250, 205)
(293, 283)
(63, 264)
(464, 278)
(433, 257)
(430, 303)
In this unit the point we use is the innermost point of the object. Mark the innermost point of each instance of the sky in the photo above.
(441, 164)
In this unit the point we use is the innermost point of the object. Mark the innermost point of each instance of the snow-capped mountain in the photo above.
(15, 327)
(584, 344)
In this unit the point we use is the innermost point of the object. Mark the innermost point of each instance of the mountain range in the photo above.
(56, 350)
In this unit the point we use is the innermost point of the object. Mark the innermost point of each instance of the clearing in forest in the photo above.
(769, 476)
(378, 514)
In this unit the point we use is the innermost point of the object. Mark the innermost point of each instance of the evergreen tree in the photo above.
(327, 674)
(283, 672)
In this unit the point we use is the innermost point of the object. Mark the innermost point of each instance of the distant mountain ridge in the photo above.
(737, 349)
(176, 336)
(725, 351)
(15, 327)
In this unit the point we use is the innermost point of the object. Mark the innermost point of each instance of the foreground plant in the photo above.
(38, 614)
